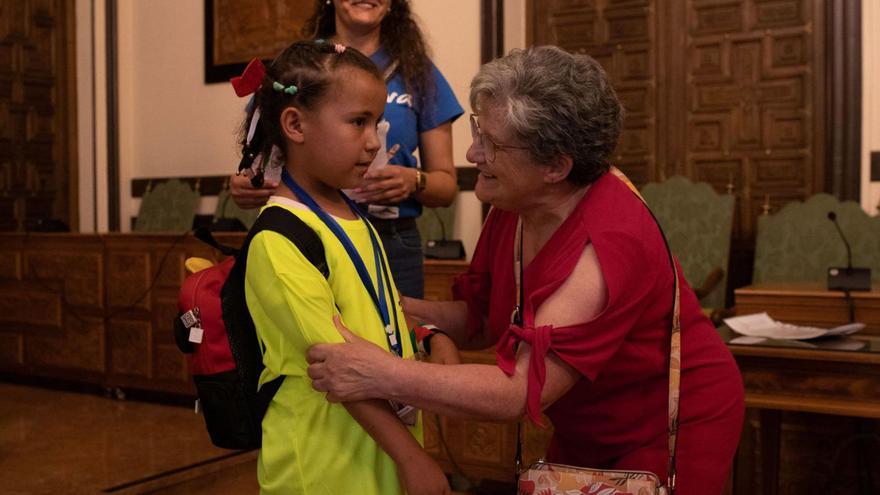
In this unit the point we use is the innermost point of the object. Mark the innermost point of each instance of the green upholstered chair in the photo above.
(799, 243)
(169, 206)
(226, 208)
(697, 222)
(433, 222)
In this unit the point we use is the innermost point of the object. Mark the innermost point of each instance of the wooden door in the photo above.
(37, 113)
(722, 91)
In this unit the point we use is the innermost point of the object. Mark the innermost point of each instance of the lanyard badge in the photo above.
(392, 332)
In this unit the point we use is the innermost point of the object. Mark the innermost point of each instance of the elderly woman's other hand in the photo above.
(354, 370)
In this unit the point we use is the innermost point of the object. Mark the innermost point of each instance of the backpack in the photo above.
(227, 360)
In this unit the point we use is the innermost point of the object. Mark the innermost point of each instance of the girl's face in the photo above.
(339, 134)
(361, 14)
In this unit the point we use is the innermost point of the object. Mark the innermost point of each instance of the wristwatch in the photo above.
(421, 180)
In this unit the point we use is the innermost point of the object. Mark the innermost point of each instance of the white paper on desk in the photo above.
(761, 325)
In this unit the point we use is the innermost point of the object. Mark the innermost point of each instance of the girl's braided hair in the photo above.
(307, 66)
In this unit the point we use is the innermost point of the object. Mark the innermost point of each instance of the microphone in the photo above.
(833, 217)
(440, 221)
(849, 278)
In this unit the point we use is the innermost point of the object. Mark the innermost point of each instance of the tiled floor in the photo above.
(55, 442)
(69, 443)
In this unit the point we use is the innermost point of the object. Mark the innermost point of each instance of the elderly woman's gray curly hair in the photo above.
(555, 103)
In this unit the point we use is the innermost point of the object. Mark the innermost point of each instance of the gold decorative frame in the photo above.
(237, 31)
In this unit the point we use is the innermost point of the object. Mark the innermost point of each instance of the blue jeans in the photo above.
(403, 245)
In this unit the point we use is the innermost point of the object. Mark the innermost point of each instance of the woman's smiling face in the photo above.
(512, 178)
(361, 14)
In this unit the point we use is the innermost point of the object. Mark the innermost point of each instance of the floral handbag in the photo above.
(543, 478)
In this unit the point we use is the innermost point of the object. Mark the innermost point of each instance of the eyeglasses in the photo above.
(490, 147)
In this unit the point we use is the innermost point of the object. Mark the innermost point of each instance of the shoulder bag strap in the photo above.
(674, 343)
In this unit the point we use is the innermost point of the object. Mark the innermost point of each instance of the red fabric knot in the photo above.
(539, 338)
(250, 80)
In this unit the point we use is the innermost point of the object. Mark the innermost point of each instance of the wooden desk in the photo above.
(810, 304)
(804, 377)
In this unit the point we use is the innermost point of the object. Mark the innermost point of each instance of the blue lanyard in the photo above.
(393, 335)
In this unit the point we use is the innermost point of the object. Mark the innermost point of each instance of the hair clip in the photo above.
(339, 48)
(291, 90)
(250, 80)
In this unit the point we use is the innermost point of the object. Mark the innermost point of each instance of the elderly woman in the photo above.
(592, 349)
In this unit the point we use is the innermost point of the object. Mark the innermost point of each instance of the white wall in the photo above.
(91, 116)
(172, 124)
(452, 29)
(870, 102)
(514, 24)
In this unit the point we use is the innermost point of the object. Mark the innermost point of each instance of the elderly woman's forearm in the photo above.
(449, 316)
(469, 390)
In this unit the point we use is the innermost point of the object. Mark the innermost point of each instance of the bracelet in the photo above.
(421, 180)
(426, 342)
(423, 333)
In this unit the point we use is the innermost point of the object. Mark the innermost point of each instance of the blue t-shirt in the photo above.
(408, 119)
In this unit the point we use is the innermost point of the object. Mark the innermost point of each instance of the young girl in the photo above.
(319, 104)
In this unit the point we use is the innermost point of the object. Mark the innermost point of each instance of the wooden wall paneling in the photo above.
(720, 91)
(754, 70)
(843, 39)
(37, 111)
(51, 305)
(96, 309)
(145, 272)
(130, 349)
(68, 269)
(621, 35)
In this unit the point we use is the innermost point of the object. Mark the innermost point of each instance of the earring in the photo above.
(328, 3)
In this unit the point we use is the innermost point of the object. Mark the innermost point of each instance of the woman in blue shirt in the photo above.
(420, 108)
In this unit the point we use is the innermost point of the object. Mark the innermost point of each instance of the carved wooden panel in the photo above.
(57, 319)
(621, 36)
(171, 269)
(37, 102)
(80, 345)
(721, 91)
(81, 274)
(10, 265)
(166, 363)
(129, 345)
(30, 303)
(11, 349)
(128, 277)
(754, 80)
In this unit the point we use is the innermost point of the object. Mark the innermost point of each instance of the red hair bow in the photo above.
(250, 80)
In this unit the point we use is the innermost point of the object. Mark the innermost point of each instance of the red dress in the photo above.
(616, 416)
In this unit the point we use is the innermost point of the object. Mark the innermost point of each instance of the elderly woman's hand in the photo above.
(354, 370)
